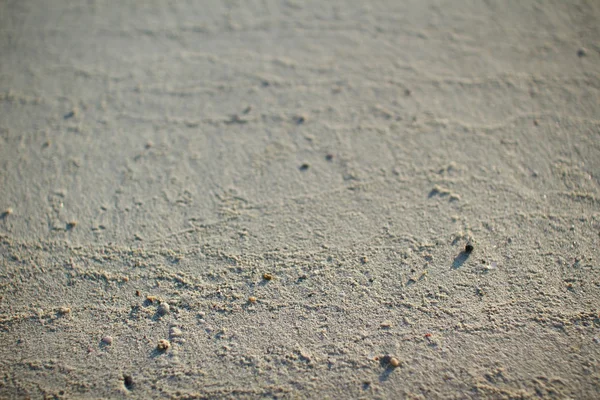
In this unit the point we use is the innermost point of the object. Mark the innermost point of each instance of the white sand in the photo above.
(158, 147)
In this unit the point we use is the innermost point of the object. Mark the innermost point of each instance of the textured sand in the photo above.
(158, 158)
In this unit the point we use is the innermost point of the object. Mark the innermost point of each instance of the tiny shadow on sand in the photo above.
(385, 362)
(460, 259)
(385, 375)
(157, 353)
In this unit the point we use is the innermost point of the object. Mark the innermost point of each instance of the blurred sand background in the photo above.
(157, 159)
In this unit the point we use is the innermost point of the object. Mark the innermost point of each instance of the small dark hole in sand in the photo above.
(128, 381)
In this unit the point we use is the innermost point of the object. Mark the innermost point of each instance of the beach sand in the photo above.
(272, 199)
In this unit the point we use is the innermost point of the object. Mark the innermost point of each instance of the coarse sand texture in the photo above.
(300, 199)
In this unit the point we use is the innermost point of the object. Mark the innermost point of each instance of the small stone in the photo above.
(582, 52)
(304, 167)
(7, 212)
(364, 259)
(251, 299)
(71, 225)
(163, 309)
(175, 332)
(329, 157)
(267, 277)
(389, 361)
(163, 345)
(64, 310)
(107, 340)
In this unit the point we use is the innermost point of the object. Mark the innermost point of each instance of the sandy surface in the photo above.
(156, 161)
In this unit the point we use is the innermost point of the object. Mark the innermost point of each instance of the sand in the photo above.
(160, 161)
